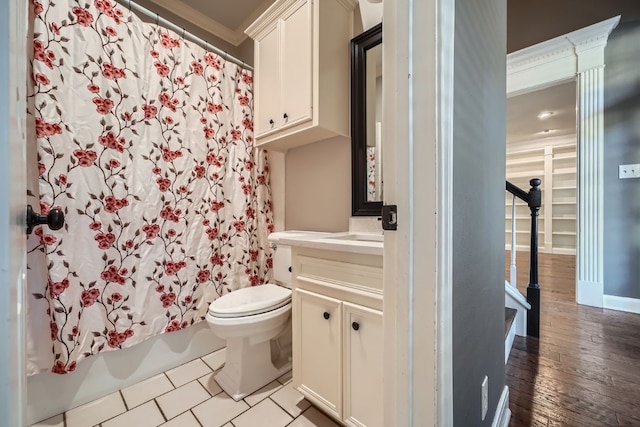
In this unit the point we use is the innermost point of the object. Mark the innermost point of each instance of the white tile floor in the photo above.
(188, 396)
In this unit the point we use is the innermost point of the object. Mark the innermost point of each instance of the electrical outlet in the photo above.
(485, 397)
(629, 171)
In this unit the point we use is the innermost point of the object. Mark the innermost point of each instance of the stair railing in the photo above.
(513, 269)
(533, 199)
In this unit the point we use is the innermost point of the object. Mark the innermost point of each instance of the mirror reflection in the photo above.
(374, 123)
(366, 122)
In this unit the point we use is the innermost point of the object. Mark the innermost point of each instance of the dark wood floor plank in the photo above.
(558, 413)
(584, 370)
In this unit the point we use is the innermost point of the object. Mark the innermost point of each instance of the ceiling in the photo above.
(532, 22)
(523, 123)
(528, 22)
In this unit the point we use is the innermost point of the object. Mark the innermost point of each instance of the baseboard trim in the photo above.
(503, 413)
(511, 337)
(590, 293)
(630, 305)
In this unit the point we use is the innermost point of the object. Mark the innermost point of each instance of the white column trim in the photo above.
(577, 55)
(590, 211)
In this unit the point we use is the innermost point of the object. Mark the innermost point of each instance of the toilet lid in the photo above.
(250, 301)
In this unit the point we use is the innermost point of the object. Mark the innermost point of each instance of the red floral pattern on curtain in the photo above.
(146, 143)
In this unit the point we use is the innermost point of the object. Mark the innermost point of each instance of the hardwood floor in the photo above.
(584, 370)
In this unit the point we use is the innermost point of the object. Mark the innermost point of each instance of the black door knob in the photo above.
(326, 315)
(355, 326)
(54, 219)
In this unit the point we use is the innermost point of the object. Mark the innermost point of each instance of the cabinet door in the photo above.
(297, 52)
(363, 349)
(267, 81)
(317, 349)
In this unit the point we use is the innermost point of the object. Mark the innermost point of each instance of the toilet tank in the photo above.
(282, 255)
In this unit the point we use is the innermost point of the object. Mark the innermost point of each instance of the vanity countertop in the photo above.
(360, 243)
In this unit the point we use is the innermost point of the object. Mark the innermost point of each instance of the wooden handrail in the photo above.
(533, 198)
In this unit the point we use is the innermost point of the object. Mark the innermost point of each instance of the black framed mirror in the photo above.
(366, 123)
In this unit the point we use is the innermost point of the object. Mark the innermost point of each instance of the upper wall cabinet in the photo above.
(301, 77)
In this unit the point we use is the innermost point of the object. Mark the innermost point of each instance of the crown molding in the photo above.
(270, 15)
(562, 47)
(253, 17)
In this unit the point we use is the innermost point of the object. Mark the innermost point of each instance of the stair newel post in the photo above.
(533, 290)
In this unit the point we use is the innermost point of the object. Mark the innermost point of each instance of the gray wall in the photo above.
(478, 207)
(622, 146)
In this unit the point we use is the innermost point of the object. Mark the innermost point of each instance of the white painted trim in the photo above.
(630, 305)
(509, 339)
(514, 299)
(417, 117)
(503, 413)
(13, 78)
(395, 162)
(267, 19)
(590, 293)
(542, 250)
(516, 295)
(577, 54)
(444, 286)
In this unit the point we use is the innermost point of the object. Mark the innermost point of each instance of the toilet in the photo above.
(256, 324)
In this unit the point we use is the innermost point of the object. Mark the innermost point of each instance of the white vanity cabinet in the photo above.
(301, 71)
(337, 333)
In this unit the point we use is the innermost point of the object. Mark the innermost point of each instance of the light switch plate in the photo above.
(629, 171)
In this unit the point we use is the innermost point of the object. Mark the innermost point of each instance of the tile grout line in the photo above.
(251, 407)
(126, 407)
(160, 409)
(204, 387)
(299, 415)
(196, 418)
(171, 382)
(285, 411)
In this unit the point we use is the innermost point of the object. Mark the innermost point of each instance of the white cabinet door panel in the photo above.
(363, 353)
(317, 348)
(267, 81)
(297, 51)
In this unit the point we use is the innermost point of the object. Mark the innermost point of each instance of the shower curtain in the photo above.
(145, 141)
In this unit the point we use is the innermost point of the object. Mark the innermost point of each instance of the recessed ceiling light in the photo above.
(545, 115)
(547, 131)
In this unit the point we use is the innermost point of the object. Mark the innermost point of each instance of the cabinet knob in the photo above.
(355, 326)
(286, 116)
(271, 122)
(326, 315)
(290, 269)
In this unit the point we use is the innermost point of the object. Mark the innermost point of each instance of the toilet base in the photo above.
(249, 367)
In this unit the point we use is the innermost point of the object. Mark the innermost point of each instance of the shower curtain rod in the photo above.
(184, 33)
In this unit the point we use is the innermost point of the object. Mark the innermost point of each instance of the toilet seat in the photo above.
(250, 301)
